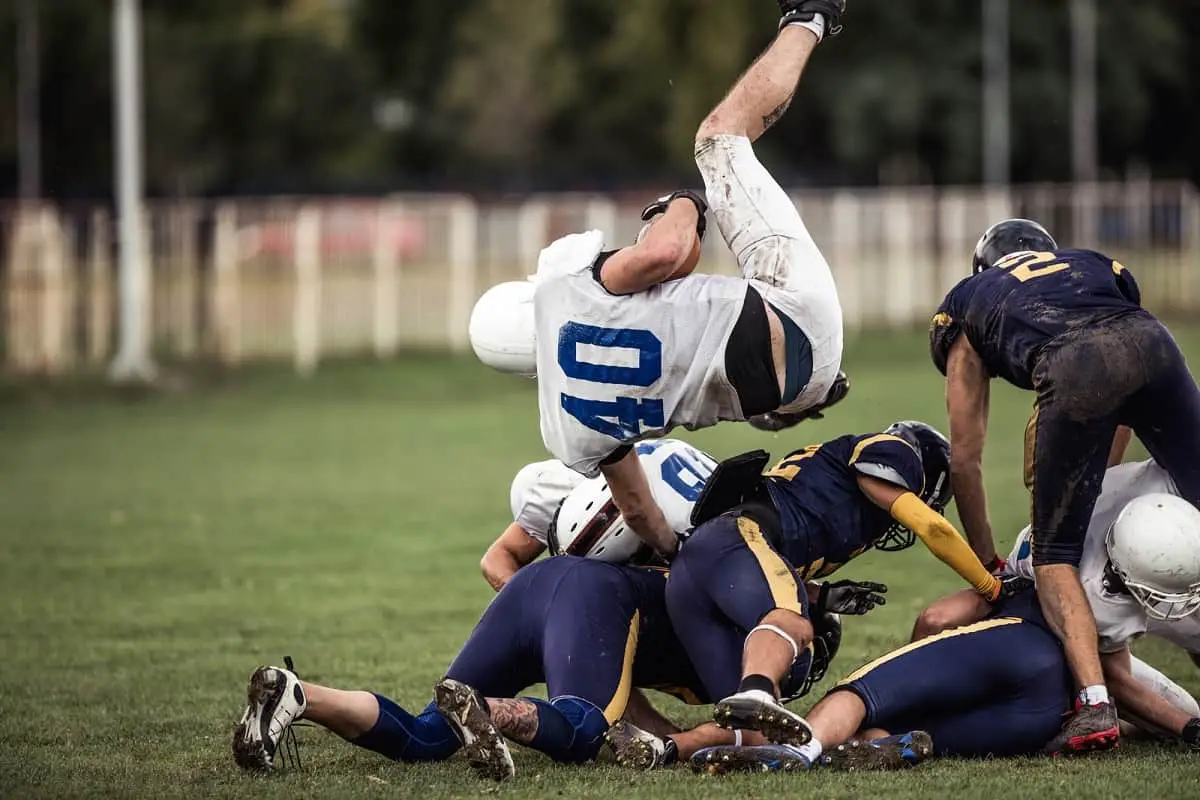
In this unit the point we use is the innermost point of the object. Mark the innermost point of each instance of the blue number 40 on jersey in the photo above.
(622, 417)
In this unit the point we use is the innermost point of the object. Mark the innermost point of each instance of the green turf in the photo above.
(153, 552)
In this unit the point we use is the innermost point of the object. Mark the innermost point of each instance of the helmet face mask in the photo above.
(1007, 237)
(1154, 548)
(937, 492)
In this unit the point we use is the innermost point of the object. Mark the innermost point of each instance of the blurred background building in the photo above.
(328, 177)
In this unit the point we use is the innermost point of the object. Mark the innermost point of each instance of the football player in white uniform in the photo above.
(627, 344)
(676, 472)
(1141, 573)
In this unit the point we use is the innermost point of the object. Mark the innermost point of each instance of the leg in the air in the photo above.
(763, 93)
(764, 230)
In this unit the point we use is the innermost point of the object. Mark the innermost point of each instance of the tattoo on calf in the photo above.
(777, 114)
(516, 719)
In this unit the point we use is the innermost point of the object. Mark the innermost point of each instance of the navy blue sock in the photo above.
(400, 736)
(569, 729)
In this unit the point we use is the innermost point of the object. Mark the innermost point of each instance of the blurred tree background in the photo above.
(247, 96)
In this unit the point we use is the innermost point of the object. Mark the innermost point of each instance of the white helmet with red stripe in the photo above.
(588, 524)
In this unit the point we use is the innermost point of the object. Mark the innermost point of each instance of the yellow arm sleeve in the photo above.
(945, 542)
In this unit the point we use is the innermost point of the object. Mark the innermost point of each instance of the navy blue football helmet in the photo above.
(934, 449)
(1010, 236)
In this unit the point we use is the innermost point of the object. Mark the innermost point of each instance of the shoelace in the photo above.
(291, 745)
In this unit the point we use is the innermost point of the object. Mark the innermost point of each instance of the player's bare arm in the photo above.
(512, 550)
(967, 393)
(1141, 702)
(666, 249)
(933, 529)
(1120, 444)
(631, 492)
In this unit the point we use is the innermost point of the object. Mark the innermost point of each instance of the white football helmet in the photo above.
(1154, 548)
(502, 328)
(588, 524)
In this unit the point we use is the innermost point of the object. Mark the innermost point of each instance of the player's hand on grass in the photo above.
(850, 597)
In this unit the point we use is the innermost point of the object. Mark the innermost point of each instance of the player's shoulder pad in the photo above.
(572, 253)
(944, 328)
(889, 458)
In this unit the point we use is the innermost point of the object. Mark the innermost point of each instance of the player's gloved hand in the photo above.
(803, 11)
(775, 421)
(1191, 733)
(1010, 585)
(680, 539)
(849, 597)
(659, 206)
(996, 565)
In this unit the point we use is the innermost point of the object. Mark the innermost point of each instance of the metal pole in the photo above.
(996, 97)
(29, 136)
(133, 354)
(1083, 90)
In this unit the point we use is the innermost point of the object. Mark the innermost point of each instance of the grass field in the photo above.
(153, 552)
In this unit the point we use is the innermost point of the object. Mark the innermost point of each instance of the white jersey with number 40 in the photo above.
(615, 369)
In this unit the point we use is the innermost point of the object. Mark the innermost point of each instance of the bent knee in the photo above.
(718, 123)
(948, 614)
(795, 625)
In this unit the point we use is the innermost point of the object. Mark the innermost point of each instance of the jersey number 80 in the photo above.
(622, 417)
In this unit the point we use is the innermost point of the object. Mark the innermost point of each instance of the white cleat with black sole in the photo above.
(485, 747)
(275, 701)
(756, 710)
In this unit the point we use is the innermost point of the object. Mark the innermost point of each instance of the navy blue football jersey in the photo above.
(1010, 311)
(825, 518)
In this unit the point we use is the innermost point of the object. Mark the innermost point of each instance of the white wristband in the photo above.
(816, 25)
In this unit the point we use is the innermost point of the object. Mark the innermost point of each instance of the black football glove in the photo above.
(849, 597)
(775, 421)
(659, 206)
(803, 10)
(680, 540)
(1010, 585)
(1191, 733)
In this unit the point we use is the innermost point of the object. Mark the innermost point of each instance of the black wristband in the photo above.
(1191, 733)
(670, 752)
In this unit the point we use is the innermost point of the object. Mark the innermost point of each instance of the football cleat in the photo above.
(756, 710)
(636, 748)
(275, 702)
(891, 752)
(775, 421)
(1091, 727)
(757, 758)
(466, 711)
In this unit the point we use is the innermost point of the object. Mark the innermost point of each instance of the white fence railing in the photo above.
(305, 278)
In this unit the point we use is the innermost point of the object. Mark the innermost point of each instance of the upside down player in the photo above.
(760, 535)
(1067, 324)
(1141, 574)
(591, 631)
(628, 344)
